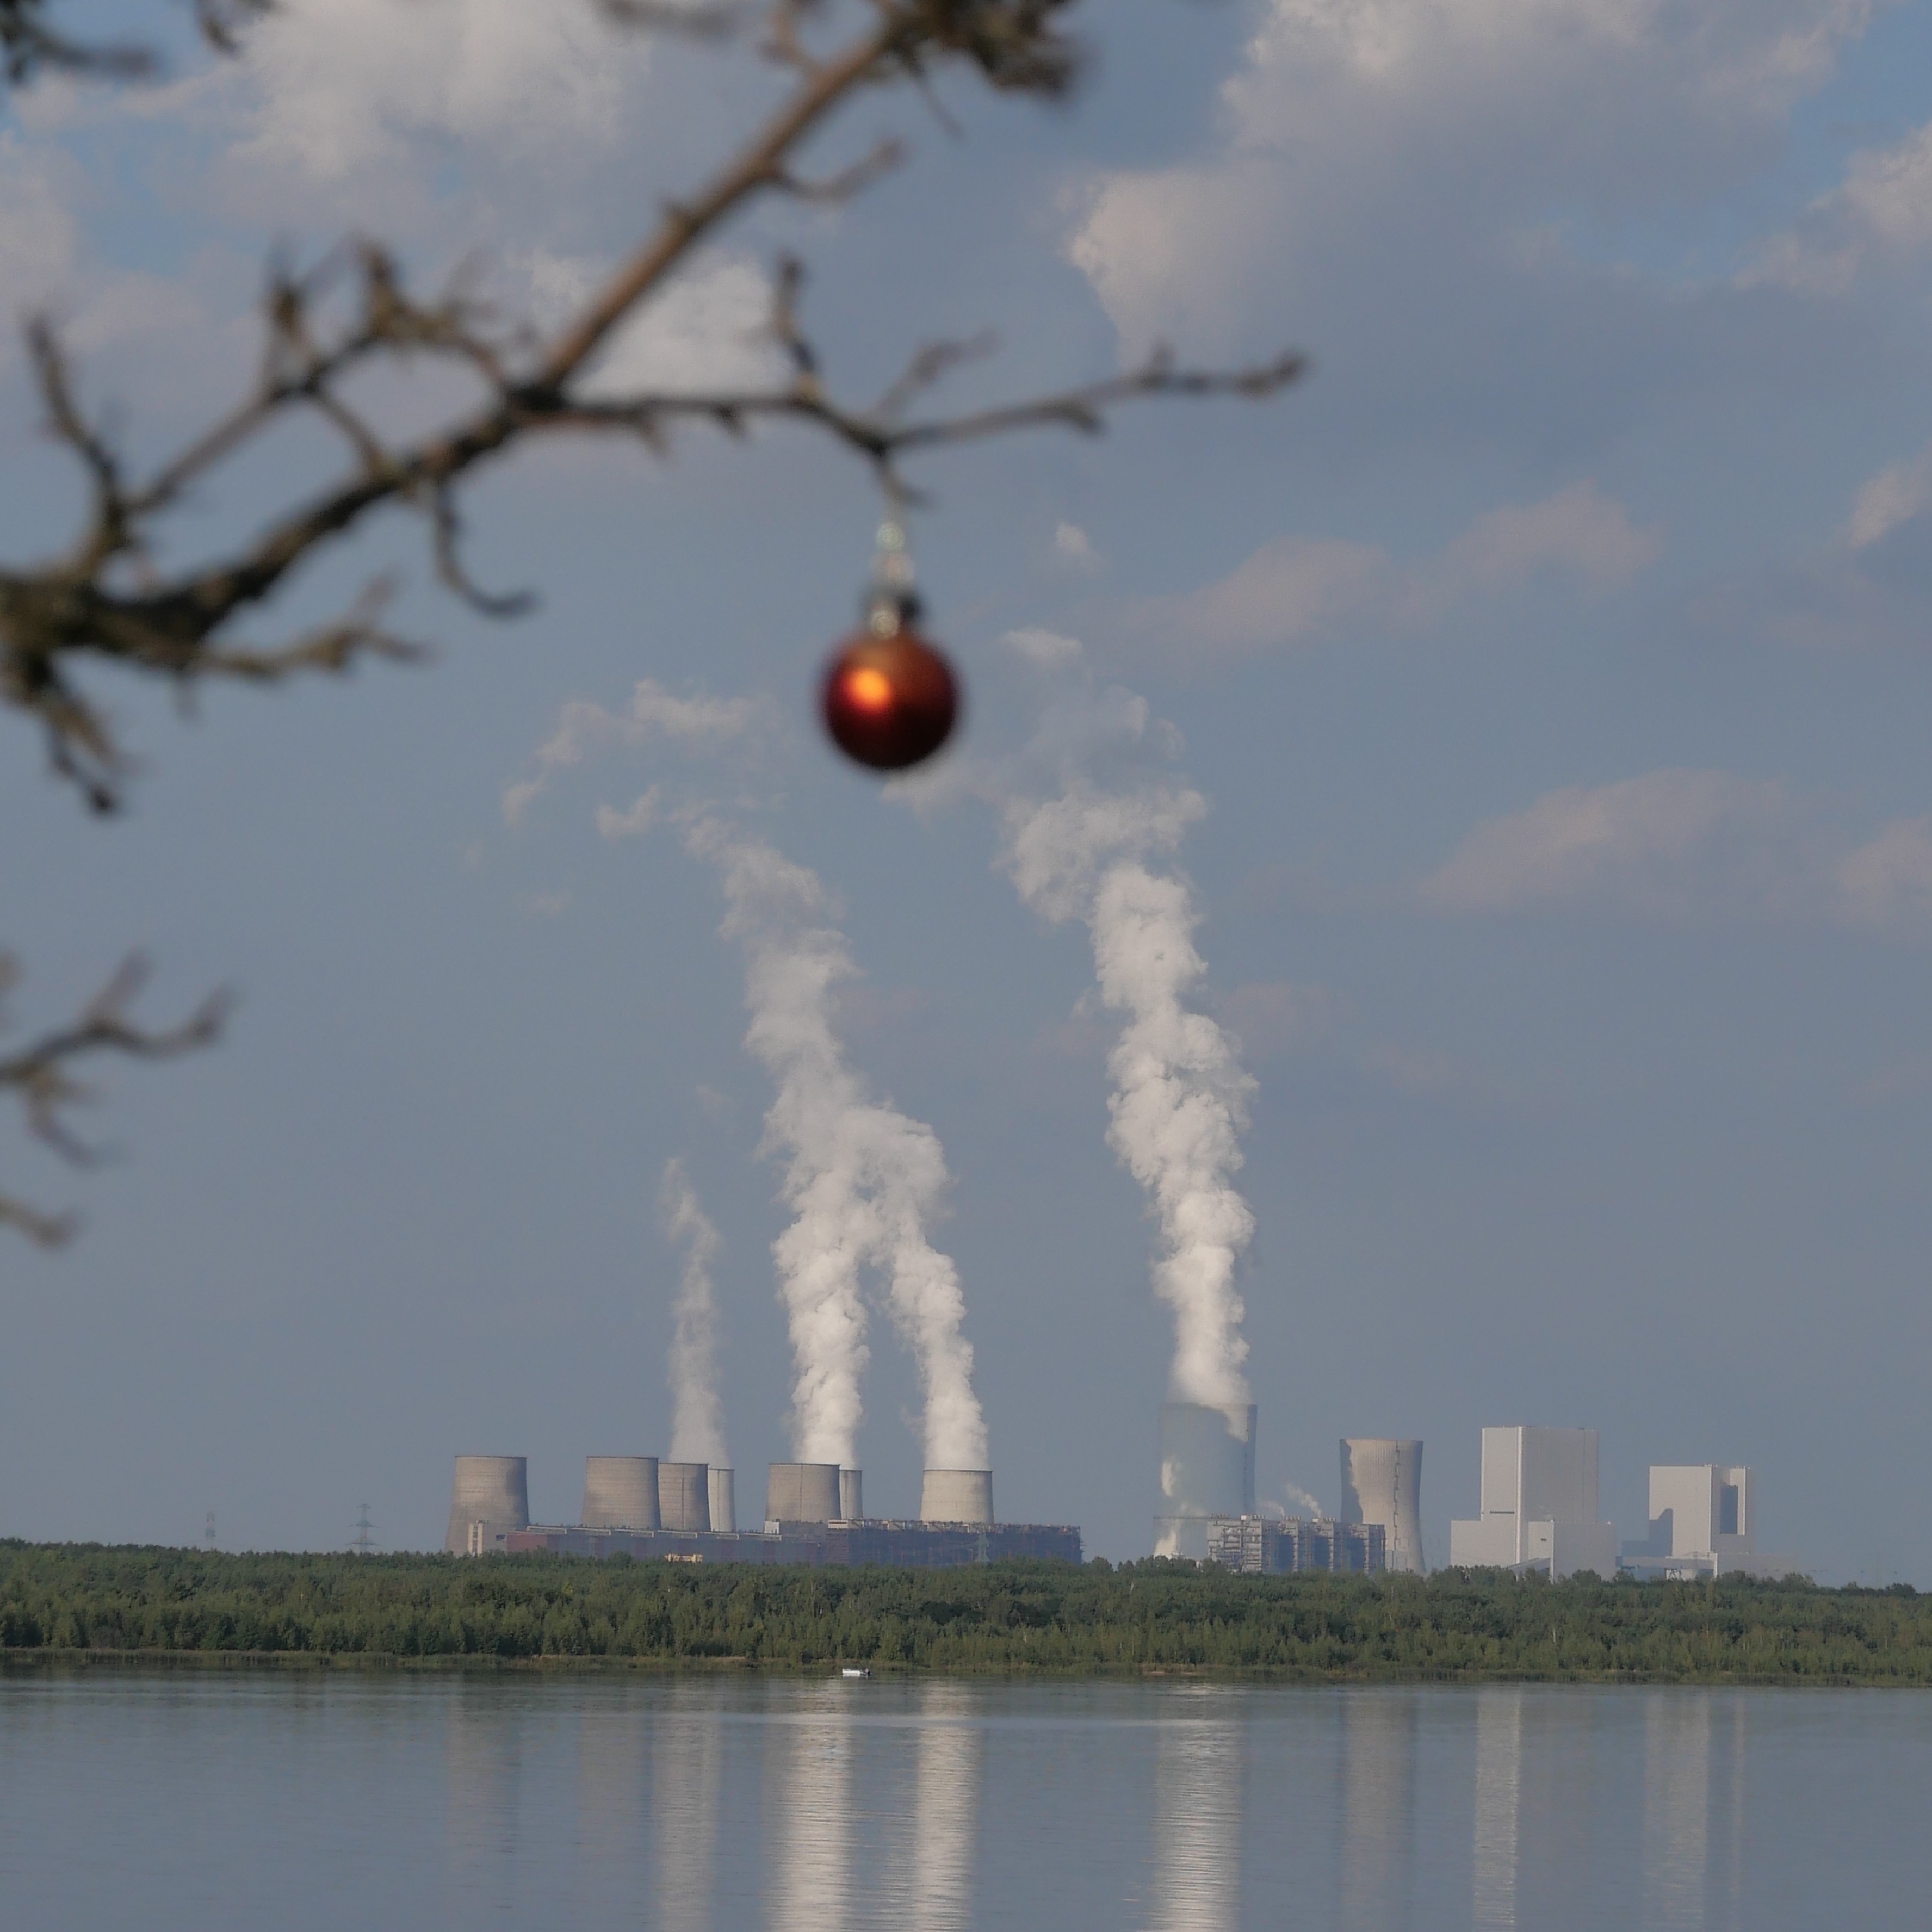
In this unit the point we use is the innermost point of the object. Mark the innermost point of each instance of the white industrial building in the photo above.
(1539, 1506)
(1703, 1522)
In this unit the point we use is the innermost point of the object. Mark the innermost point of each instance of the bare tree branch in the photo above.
(29, 47)
(87, 603)
(40, 1074)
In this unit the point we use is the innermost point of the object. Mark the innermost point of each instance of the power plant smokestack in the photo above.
(1207, 1469)
(852, 1495)
(1382, 1482)
(620, 1492)
(684, 1496)
(723, 1500)
(491, 1489)
(802, 1492)
(956, 1495)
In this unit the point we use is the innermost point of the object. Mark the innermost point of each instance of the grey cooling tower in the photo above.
(723, 1500)
(802, 1492)
(494, 1489)
(1382, 1482)
(684, 1496)
(852, 1495)
(620, 1492)
(1207, 1469)
(956, 1495)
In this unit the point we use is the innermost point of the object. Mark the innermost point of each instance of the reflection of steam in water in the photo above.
(938, 1892)
(1676, 1810)
(1197, 1880)
(1498, 1806)
(811, 1841)
(687, 1788)
(1379, 1747)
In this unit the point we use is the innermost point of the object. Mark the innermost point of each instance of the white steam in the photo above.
(1180, 1097)
(697, 1416)
(862, 1181)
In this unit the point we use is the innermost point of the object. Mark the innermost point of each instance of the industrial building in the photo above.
(1381, 1483)
(1288, 1545)
(641, 1507)
(1538, 1506)
(1702, 1523)
(1206, 1470)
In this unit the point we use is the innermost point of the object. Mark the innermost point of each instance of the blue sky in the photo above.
(1551, 664)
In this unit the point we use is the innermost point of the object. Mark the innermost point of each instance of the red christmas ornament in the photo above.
(890, 701)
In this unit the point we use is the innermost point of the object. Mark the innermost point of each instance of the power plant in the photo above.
(1206, 1470)
(641, 1507)
(1381, 1483)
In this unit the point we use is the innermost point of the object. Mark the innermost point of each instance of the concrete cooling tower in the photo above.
(1207, 1469)
(956, 1495)
(684, 1495)
(494, 1490)
(724, 1500)
(1382, 1482)
(802, 1492)
(621, 1493)
(852, 1495)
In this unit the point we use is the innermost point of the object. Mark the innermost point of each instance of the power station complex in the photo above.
(1537, 1511)
(814, 1514)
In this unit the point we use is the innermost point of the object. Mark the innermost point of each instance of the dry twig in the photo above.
(40, 1074)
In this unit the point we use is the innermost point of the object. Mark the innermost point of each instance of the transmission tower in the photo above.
(364, 1544)
(209, 1534)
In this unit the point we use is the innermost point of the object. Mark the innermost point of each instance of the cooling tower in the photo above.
(1382, 1482)
(956, 1495)
(1207, 1469)
(802, 1492)
(488, 1489)
(684, 1496)
(620, 1492)
(724, 1500)
(852, 1495)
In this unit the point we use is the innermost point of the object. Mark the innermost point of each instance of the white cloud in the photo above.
(710, 329)
(348, 87)
(1072, 545)
(1296, 588)
(583, 728)
(1675, 844)
(1882, 211)
(632, 822)
(1427, 135)
(1894, 497)
(1044, 650)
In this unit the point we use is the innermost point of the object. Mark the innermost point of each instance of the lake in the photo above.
(276, 1802)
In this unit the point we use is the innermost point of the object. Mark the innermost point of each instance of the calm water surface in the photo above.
(810, 1805)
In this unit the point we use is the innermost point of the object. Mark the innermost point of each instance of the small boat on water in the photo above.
(853, 1670)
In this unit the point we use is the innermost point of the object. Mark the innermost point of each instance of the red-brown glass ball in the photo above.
(889, 702)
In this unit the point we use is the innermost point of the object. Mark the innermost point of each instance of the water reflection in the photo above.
(1676, 1811)
(809, 1799)
(1498, 1806)
(687, 1793)
(1197, 1880)
(1378, 1837)
(946, 1803)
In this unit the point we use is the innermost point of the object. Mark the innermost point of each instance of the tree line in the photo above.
(65, 1599)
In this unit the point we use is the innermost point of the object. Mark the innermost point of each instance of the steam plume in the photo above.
(862, 1179)
(697, 1416)
(1180, 1096)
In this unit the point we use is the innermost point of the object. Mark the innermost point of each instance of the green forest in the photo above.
(75, 1601)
